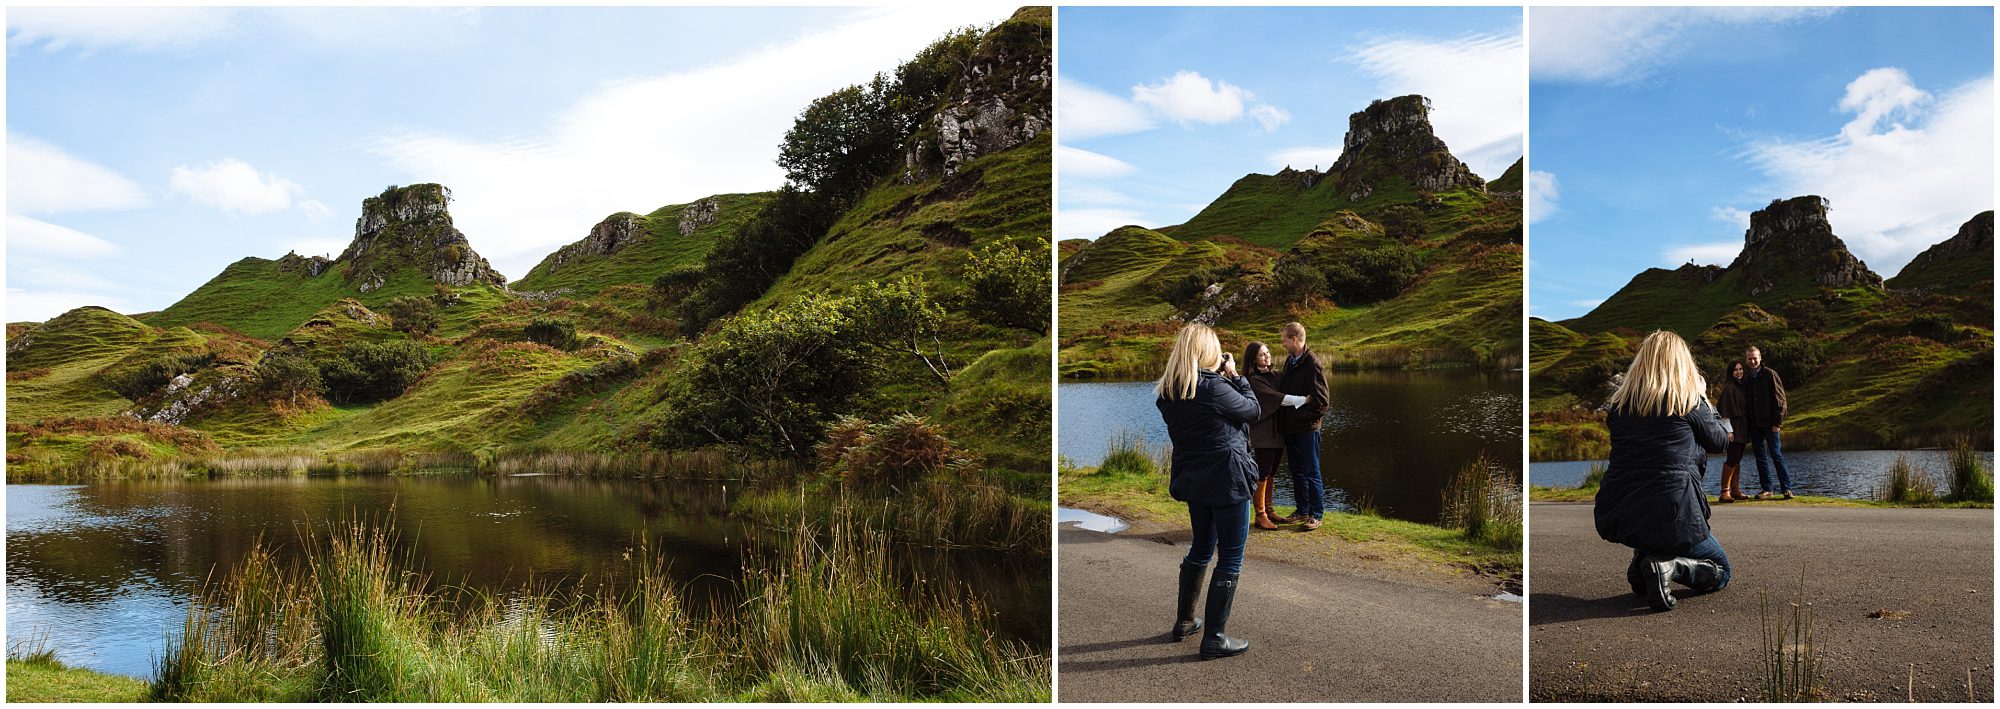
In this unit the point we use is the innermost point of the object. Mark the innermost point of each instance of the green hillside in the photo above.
(1868, 363)
(657, 246)
(1383, 273)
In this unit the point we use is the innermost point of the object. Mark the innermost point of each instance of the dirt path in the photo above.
(1591, 639)
(1316, 635)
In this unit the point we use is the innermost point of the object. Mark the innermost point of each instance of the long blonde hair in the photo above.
(1195, 349)
(1663, 380)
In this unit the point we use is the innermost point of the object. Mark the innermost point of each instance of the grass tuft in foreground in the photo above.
(834, 620)
(1794, 646)
(1484, 502)
(1970, 480)
(1904, 483)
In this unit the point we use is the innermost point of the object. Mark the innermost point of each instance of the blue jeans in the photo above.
(1302, 456)
(1764, 441)
(1707, 549)
(1219, 529)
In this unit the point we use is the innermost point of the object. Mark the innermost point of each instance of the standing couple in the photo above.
(1752, 400)
(1218, 467)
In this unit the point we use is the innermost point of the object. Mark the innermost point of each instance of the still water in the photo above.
(1390, 439)
(100, 573)
(1849, 474)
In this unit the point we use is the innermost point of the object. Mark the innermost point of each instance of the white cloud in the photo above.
(1188, 97)
(635, 145)
(315, 210)
(233, 186)
(45, 180)
(132, 28)
(1093, 223)
(1731, 215)
(1075, 195)
(1474, 84)
(36, 306)
(1269, 116)
(1902, 174)
(40, 237)
(1077, 162)
(1616, 45)
(1084, 111)
(1544, 195)
(1306, 157)
(1717, 253)
(1587, 304)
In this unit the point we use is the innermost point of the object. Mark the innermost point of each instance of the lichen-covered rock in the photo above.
(190, 394)
(615, 232)
(407, 227)
(698, 215)
(1393, 139)
(1001, 100)
(1790, 239)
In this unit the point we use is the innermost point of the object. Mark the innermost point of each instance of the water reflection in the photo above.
(102, 570)
(1390, 439)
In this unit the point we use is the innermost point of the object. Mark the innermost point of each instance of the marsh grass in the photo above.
(1904, 483)
(1484, 503)
(1970, 480)
(1794, 646)
(835, 617)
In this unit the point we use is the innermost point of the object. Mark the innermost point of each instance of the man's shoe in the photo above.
(1311, 524)
(1655, 573)
(1788, 495)
(1765, 495)
(1214, 644)
(1185, 624)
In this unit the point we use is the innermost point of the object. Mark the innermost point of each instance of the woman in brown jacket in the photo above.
(1732, 406)
(1264, 439)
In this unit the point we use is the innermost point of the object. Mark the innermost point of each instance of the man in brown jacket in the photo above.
(1764, 410)
(1304, 381)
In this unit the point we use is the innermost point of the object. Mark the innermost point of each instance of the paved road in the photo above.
(1315, 636)
(1591, 639)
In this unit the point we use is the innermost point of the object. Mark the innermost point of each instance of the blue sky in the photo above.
(1655, 132)
(1160, 109)
(148, 148)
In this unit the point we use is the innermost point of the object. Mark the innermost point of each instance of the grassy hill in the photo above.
(658, 247)
(1901, 363)
(1454, 301)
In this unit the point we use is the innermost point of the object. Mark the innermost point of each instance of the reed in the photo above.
(1793, 649)
(1904, 483)
(1970, 480)
(1484, 503)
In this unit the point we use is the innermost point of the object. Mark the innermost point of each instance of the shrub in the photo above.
(362, 372)
(773, 380)
(413, 315)
(152, 375)
(1298, 280)
(1369, 275)
(290, 375)
(747, 261)
(905, 449)
(899, 317)
(1007, 285)
(554, 332)
(1403, 223)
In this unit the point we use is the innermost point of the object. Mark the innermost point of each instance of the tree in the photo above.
(772, 379)
(361, 372)
(413, 315)
(899, 317)
(748, 260)
(290, 375)
(1297, 279)
(1007, 285)
(842, 142)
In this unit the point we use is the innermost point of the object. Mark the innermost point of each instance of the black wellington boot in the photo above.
(1185, 624)
(1656, 572)
(1635, 573)
(1698, 574)
(1221, 593)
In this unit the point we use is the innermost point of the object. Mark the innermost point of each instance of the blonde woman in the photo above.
(1662, 430)
(1208, 410)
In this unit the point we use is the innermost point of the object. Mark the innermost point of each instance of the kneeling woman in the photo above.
(1208, 410)
(1662, 430)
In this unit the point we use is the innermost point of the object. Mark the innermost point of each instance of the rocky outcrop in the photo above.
(309, 266)
(410, 227)
(615, 232)
(1791, 239)
(1000, 100)
(698, 215)
(189, 394)
(1393, 139)
(1957, 262)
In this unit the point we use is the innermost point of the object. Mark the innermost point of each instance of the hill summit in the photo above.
(1790, 239)
(411, 227)
(1393, 138)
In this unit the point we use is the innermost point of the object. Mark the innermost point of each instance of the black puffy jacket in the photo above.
(1212, 465)
(1651, 497)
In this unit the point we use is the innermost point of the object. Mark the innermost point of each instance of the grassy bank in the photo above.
(37, 677)
(833, 618)
(1132, 485)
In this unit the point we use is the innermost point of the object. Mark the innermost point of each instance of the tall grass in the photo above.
(1905, 483)
(1793, 648)
(836, 618)
(1970, 480)
(1128, 456)
(1594, 478)
(1484, 503)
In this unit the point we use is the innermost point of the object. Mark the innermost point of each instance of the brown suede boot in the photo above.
(1263, 500)
(1736, 481)
(1728, 477)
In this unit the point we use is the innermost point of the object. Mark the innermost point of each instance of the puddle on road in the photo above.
(1085, 519)
(1508, 597)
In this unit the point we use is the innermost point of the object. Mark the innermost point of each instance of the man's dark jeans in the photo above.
(1707, 549)
(1764, 442)
(1302, 456)
(1220, 531)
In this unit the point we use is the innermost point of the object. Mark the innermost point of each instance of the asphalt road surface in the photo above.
(1928, 574)
(1315, 636)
